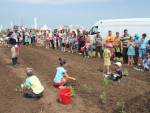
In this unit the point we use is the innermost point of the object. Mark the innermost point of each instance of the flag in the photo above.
(11, 24)
(35, 23)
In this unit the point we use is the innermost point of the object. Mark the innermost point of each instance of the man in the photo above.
(137, 37)
(110, 40)
(143, 43)
(125, 39)
(148, 47)
(99, 45)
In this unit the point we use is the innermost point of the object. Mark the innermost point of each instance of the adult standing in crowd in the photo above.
(110, 41)
(99, 45)
(143, 43)
(148, 47)
(125, 39)
(33, 36)
(118, 47)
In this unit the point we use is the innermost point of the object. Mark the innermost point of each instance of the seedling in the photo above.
(72, 90)
(103, 97)
(85, 88)
(105, 81)
(125, 72)
(18, 88)
(121, 106)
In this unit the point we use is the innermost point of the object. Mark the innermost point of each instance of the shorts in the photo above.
(142, 53)
(62, 82)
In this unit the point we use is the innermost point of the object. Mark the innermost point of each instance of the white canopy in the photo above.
(45, 27)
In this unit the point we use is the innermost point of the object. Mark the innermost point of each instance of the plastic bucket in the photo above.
(65, 96)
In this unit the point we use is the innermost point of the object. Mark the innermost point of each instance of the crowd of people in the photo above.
(134, 51)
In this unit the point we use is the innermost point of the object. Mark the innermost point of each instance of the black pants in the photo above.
(51, 43)
(125, 56)
(136, 55)
(99, 49)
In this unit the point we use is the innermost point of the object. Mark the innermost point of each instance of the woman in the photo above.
(62, 77)
(88, 45)
(32, 87)
(117, 46)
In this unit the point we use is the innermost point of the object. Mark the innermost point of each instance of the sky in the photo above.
(54, 13)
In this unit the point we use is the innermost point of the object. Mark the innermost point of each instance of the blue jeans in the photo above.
(142, 53)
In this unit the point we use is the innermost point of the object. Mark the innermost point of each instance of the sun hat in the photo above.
(118, 64)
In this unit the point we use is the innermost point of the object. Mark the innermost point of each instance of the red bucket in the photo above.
(65, 96)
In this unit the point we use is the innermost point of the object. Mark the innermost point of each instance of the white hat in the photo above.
(118, 64)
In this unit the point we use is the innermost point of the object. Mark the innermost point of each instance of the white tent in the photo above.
(45, 27)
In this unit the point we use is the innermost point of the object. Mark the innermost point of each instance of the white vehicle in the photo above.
(134, 26)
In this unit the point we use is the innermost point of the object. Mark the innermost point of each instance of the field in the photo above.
(133, 90)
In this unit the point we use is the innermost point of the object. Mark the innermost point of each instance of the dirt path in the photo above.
(87, 89)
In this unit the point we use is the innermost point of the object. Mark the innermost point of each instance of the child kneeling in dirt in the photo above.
(146, 62)
(32, 87)
(62, 77)
(117, 74)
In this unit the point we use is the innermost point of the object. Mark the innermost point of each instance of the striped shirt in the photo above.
(125, 39)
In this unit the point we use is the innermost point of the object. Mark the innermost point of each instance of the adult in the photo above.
(136, 40)
(51, 38)
(143, 43)
(110, 40)
(148, 47)
(125, 39)
(14, 40)
(13, 43)
(99, 45)
(117, 46)
(88, 45)
(33, 36)
(32, 87)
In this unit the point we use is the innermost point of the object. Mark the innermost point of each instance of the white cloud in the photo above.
(58, 1)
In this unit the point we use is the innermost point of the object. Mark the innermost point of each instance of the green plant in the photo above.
(18, 88)
(125, 72)
(85, 89)
(105, 81)
(121, 106)
(72, 90)
(103, 97)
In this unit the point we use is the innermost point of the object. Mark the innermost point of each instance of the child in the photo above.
(131, 51)
(107, 56)
(117, 75)
(32, 87)
(146, 62)
(55, 41)
(47, 41)
(62, 77)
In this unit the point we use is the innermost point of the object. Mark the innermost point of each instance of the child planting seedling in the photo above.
(72, 90)
(121, 106)
(125, 72)
(103, 97)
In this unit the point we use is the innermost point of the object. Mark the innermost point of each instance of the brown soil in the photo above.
(134, 90)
